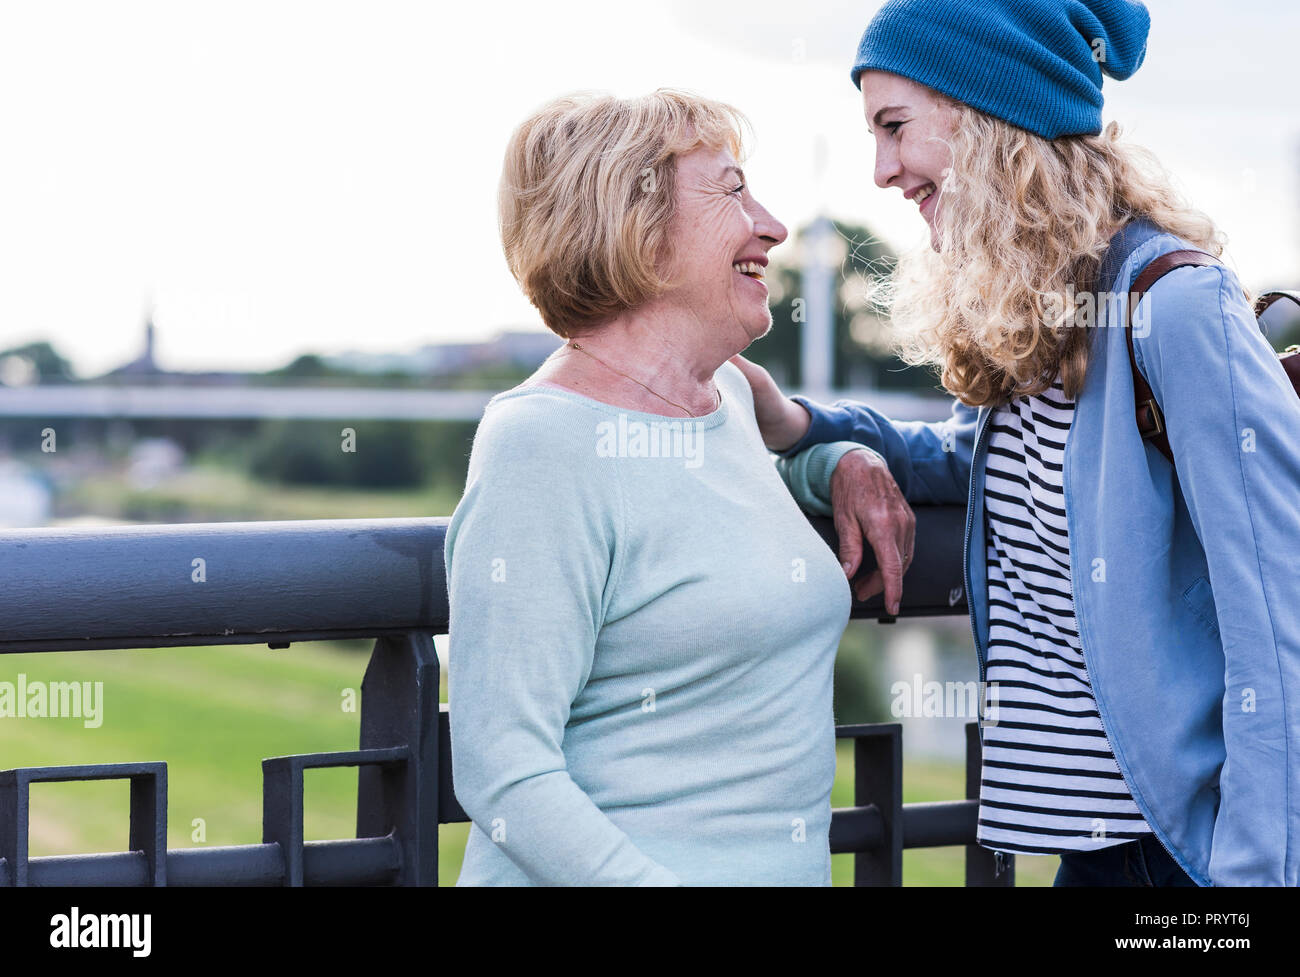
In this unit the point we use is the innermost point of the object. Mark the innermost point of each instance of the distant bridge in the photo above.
(323, 403)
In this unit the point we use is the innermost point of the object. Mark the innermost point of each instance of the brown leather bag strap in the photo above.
(1150, 420)
(1268, 298)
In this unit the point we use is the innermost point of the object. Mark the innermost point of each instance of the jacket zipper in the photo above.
(965, 556)
(998, 857)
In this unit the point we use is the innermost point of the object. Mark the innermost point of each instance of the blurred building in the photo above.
(25, 497)
(517, 349)
(143, 365)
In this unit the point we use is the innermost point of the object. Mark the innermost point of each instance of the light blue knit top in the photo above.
(643, 630)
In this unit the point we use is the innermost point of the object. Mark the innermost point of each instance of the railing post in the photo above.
(878, 782)
(282, 798)
(399, 707)
(147, 834)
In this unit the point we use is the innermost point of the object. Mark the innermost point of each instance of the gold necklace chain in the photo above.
(581, 349)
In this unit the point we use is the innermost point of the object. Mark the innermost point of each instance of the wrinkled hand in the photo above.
(867, 504)
(781, 421)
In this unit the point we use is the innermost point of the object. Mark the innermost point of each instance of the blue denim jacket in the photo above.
(1185, 589)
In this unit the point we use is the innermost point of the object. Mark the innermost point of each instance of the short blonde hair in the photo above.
(587, 195)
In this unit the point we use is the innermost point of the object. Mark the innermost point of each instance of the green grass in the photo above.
(213, 714)
(207, 493)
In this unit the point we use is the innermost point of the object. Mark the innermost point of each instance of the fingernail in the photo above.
(845, 566)
(893, 608)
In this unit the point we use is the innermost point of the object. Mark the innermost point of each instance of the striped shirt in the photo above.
(1050, 781)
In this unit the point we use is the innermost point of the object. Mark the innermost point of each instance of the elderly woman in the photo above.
(643, 623)
(1138, 613)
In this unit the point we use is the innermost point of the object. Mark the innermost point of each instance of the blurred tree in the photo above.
(497, 376)
(35, 363)
(377, 454)
(299, 453)
(859, 695)
(862, 344)
(306, 365)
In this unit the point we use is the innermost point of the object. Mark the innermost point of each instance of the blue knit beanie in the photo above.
(1037, 64)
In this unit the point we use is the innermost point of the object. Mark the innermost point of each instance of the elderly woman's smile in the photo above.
(720, 238)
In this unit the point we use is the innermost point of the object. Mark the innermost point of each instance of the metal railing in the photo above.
(283, 582)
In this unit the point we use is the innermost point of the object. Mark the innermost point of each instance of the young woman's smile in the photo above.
(910, 126)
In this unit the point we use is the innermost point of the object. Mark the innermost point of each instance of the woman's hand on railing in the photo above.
(867, 503)
(781, 421)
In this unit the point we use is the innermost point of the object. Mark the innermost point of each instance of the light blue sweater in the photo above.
(643, 631)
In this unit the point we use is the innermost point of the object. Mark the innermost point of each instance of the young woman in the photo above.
(1139, 620)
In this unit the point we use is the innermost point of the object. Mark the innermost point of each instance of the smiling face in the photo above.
(909, 124)
(720, 236)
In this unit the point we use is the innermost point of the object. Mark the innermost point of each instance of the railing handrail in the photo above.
(276, 582)
(72, 589)
(69, 589)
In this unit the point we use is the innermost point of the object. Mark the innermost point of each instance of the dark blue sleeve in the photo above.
(930, 460)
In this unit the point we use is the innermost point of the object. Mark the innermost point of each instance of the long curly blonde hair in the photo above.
(1025, 225)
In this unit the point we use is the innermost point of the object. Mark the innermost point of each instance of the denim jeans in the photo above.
(1142, 862)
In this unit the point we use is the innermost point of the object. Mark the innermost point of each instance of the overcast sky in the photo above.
(280, 177)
